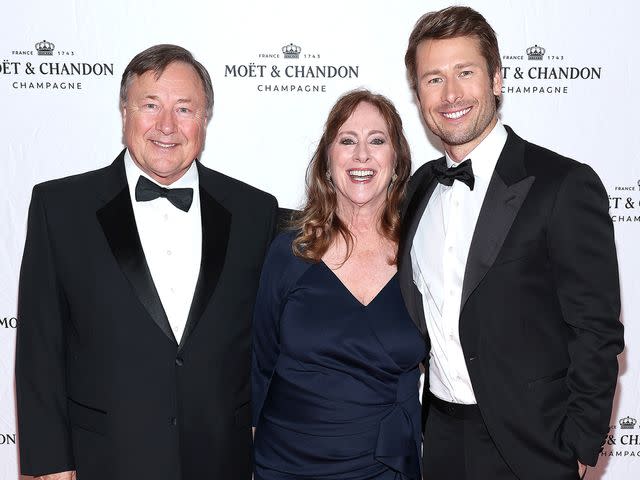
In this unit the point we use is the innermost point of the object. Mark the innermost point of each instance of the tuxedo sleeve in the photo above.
(583, 253)
(43, 426)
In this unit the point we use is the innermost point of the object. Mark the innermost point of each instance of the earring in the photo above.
(394, 177)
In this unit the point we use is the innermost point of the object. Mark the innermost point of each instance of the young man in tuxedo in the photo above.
(136, 296)
(508, 265)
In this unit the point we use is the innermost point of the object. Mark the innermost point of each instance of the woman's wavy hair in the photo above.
(318, 223)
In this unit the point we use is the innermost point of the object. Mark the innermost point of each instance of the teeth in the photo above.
(165, 145)
(361, 173)
(455, 115)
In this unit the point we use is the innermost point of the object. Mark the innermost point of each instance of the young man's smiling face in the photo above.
(456, 92)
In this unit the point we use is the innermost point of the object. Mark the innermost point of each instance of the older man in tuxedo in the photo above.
(136, 295)
(508, 265)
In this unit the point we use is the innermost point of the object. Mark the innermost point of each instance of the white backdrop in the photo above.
(60, 113)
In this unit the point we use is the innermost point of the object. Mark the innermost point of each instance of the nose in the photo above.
(362, 151)
(452, 91)
(165, 122)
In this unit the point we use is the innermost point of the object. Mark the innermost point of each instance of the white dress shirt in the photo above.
(172, 243)
(439, 257)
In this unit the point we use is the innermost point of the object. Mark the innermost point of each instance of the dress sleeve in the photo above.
(272, 293)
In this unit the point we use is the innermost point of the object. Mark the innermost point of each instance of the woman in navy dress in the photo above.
(336, 355)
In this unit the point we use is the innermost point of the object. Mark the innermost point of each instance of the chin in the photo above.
(368, 201)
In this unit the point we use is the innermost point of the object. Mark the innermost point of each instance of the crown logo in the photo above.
(627, 423)
(291, 51)
(45, 48)
(535, 53)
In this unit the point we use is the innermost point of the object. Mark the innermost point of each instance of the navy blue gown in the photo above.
(334, 382)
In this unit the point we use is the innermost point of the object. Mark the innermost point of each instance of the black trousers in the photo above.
(457, 445)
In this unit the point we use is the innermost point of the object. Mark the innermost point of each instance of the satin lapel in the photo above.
(507, 190)
(119, 226)
(412, 217)
(216, 226)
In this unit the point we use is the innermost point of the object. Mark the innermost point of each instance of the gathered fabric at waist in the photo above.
(334, 405)
(354, 434)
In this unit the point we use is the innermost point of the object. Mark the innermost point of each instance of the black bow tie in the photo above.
(147, 190)
(462, 172)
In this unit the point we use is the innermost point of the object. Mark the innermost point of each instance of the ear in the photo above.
(416, 91)
(123, 113)
(497, 82)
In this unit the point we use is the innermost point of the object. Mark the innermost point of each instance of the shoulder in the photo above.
(542, 158)
(421, 175)
(281, 263)
(557, 173)
(281, 249)
(544, 162)
(69, 200)
(424, 170)
(72, 185)
(233, 191)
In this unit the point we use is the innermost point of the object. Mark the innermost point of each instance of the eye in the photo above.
(347, 141)
(150, 107)
(378, 141)
(466, 73)
(183, 110)
(434, 80)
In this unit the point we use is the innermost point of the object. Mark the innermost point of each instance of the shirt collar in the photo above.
(133, 171)
(485, 156)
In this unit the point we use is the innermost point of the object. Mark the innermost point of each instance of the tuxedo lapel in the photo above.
(413, 214)
(507, 190)
(119, 227)
(216, 226)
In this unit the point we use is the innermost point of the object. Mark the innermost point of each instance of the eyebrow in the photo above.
(354, 133)
(460, 66)
(457, 66)
(180, 100)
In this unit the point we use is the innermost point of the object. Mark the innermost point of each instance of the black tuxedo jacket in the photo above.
(539, 320)
(103, 387)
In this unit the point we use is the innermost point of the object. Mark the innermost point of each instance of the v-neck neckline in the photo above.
(350, 293)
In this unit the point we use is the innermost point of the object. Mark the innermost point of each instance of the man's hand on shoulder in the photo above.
(58, 476)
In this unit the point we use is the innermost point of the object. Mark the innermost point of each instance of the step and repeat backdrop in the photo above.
(570, 83)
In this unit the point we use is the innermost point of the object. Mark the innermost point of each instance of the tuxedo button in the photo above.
(179, 361)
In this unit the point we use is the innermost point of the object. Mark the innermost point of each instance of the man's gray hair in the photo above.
(156, 59)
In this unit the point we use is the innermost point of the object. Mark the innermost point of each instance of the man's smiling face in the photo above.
(456, 92)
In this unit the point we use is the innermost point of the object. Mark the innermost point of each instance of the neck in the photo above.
(458, 153)
(163, 179)
(361, 220)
